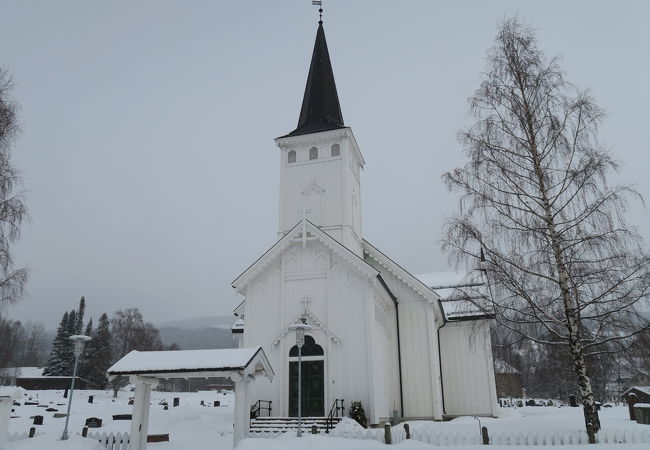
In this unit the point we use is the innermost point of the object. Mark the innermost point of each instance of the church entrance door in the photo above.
(313, 389)
(313, 380)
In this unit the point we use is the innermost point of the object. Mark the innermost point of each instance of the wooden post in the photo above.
(407, 428)
(485, 436)
(591, 434)
(242, 408)
(140, 416)
(314, 429)
(5, 412)
(388, 437)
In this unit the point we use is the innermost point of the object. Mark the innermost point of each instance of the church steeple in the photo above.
(320, 110)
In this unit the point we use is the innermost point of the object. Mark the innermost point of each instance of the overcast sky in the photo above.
(147, 129)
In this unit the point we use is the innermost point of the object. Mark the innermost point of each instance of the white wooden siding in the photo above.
(467, 369)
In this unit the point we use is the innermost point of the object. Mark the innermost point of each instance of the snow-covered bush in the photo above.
(357, 413)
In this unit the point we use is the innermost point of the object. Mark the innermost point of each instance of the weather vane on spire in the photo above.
(320, 10)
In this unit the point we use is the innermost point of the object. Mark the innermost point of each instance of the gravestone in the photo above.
(59, 415)
(122, 416)
(158, 438)
(31, 403)
(217, 403)
(91, 398)
(202, 403)
(572, 401)
(65, 394)
(51, 410)
(177, 401)
(94, 422)
(32, 432)
(166, 407)
(530, 402)
(38, 420)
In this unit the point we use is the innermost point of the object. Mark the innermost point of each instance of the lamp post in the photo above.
(300, 327)
(79, 341)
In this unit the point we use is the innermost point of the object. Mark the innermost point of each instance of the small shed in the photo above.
(636, 394)
(144, 369)
(32, 378)
(508, 380)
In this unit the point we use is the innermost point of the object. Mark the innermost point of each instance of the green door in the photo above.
(313, 389)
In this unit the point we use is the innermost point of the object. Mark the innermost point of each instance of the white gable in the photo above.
(304, 231)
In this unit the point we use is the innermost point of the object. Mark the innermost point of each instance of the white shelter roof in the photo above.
(184, 363)
(11, 392)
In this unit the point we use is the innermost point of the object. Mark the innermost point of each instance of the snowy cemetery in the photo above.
(204, 420)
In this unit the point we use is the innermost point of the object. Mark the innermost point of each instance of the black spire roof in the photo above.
(320, 105)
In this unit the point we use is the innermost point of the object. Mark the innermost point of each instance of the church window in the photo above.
(291, 156)
(313, 153)
(310, 348)
(336, 150)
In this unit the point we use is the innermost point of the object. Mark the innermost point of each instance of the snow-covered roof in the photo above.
(463, 295)
(502, 367)
(172, 362)
(22, 372)
(644, 389)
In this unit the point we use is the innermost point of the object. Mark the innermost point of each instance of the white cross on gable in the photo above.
(305, 301)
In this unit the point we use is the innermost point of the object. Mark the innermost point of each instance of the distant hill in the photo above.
(199, 333)
(200, 322)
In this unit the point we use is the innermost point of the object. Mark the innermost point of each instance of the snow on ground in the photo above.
(535, 419)
(195, 427)
(190, 425)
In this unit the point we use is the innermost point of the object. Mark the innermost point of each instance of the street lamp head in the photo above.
(300, 327)
(79, 341)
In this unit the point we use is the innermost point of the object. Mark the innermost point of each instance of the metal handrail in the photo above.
(256, 409)
(337, 406)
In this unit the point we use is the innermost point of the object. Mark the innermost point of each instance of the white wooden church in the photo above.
(379, 334)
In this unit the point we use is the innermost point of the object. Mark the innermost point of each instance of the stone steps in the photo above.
(284, 424)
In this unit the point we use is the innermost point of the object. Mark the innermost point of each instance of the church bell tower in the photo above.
(320, 162)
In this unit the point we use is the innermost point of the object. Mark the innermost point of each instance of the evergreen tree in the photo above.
(59, 362)
(98, 354)
(80, 316)
(89, 328)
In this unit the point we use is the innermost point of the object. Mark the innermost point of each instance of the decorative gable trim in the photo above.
(312, 321)
(295, 235)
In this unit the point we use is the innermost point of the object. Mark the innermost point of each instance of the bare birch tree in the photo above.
(564, 268)
(12, 207)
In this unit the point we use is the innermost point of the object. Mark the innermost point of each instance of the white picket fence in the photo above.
(111, 441)
(20, 436)
(444, 439)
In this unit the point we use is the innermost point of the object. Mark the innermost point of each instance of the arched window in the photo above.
(313, 153)
(310, 348)
(291, 156)
(336, 150)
